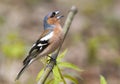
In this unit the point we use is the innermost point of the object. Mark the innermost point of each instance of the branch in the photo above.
(51, 64)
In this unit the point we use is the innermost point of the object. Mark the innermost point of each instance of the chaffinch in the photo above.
(48, 42)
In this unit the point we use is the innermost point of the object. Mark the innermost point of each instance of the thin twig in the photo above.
(51, 64)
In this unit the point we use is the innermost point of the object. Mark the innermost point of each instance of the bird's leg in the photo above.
(51, 59)
(48, 60)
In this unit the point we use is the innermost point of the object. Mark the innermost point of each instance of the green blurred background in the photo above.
(93, 41)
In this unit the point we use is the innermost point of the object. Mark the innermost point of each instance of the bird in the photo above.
(48, 42)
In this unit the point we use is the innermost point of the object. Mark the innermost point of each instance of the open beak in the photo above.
(58, 16)
(57, 12)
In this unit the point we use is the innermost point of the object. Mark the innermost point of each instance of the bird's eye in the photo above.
(52, 15)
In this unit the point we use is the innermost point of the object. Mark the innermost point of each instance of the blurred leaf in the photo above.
(12, 36)
(102, 80)
(69, 65)
(104, 3)
(117, 61)
(13, 47)
(75, 81)
(93, 43)
(39, 74)
(2, 20)
(14, 50)
(57, 75)
(50, 81)
(61, 55)
(92, 49)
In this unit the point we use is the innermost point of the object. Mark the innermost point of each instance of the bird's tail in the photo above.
(25, 65)
(28, 60)
(22, 70)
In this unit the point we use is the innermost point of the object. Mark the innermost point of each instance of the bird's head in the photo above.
(52, 19)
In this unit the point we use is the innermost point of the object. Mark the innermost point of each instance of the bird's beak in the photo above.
(57, 12)
(58, 16)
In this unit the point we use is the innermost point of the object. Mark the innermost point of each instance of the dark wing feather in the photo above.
(35, 50)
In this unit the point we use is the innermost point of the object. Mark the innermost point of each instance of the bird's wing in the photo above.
(41, 44)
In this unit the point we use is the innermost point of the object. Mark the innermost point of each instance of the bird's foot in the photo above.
(51, 59)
